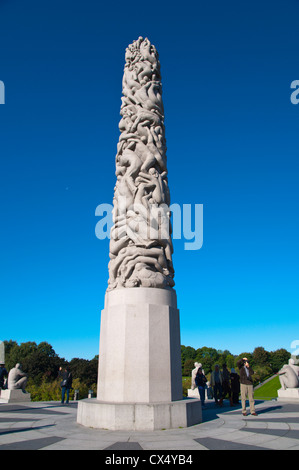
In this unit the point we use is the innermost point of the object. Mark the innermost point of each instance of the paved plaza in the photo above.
(52, 426)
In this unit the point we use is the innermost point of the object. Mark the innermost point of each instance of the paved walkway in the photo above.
(52, 426)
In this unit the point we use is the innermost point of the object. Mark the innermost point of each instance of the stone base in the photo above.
(140, 375)
(195, 393)
(139, 416)
(140, 349)
(14, 396)
(288, 395)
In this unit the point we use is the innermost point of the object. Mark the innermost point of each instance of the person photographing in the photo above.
(66, 383)
(246, 382)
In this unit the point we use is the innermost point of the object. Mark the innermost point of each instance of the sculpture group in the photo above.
(140, 246)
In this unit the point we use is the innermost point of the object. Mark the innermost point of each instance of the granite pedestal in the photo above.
(14, 396)
(140, 380)
(289, 395)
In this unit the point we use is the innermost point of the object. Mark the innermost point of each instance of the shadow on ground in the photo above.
(212, 411)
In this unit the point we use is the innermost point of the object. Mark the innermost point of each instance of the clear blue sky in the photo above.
(232, 137)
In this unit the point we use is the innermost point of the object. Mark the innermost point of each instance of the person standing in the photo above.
(216, 383)
(246, 382)
(226, 388)
(200, 381)
(3, 374)
(66, 383)
(235, 386)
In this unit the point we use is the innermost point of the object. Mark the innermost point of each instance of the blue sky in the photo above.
(232, 137)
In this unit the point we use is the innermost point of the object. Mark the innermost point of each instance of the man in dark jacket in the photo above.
(246, 382)
(200, 381)
(66, 383)
(235, 386)
(3, 374)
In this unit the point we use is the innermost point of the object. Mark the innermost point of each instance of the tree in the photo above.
(187, 352)
(188, 366)
(38, 361)
(230, 361)
(278, 358)
(84, 370)
(207, 357)
(260, 357)
(9, 345)
(17, 354)
(46, 349)
(41, 363)
(225, 357)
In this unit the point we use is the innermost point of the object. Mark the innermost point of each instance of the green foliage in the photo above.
(83, 388)
(38, 361)
(260, 356)
(264, 363)
(186, 385)
(86, 371)
(208, 357)
(278, 359)
(187, 352)
(45, 391)
(268, 391)
(261, 373)
(188, 366)
(41, 363)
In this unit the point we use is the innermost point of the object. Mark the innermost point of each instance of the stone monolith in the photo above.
(139, 379)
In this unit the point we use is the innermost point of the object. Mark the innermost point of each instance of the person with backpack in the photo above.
(66, 383)
(200, 381)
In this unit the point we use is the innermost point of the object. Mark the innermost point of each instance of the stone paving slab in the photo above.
(52, 426)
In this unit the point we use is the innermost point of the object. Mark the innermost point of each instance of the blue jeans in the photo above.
(63, 390)
(202, 392)
(217, 391)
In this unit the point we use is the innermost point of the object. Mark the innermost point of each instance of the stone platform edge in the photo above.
(139, 416)
(290, 395)
(14, 396)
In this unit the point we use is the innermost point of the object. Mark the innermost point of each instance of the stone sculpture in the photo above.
(17, 379)
(197, 365)
(140, 245)
(140, 374)
(289, 375)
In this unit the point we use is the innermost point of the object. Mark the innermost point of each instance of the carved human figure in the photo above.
(140, 245)
(288, 375)
(17, 379)
(197, 365)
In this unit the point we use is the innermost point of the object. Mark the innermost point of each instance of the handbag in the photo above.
(65, 381)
